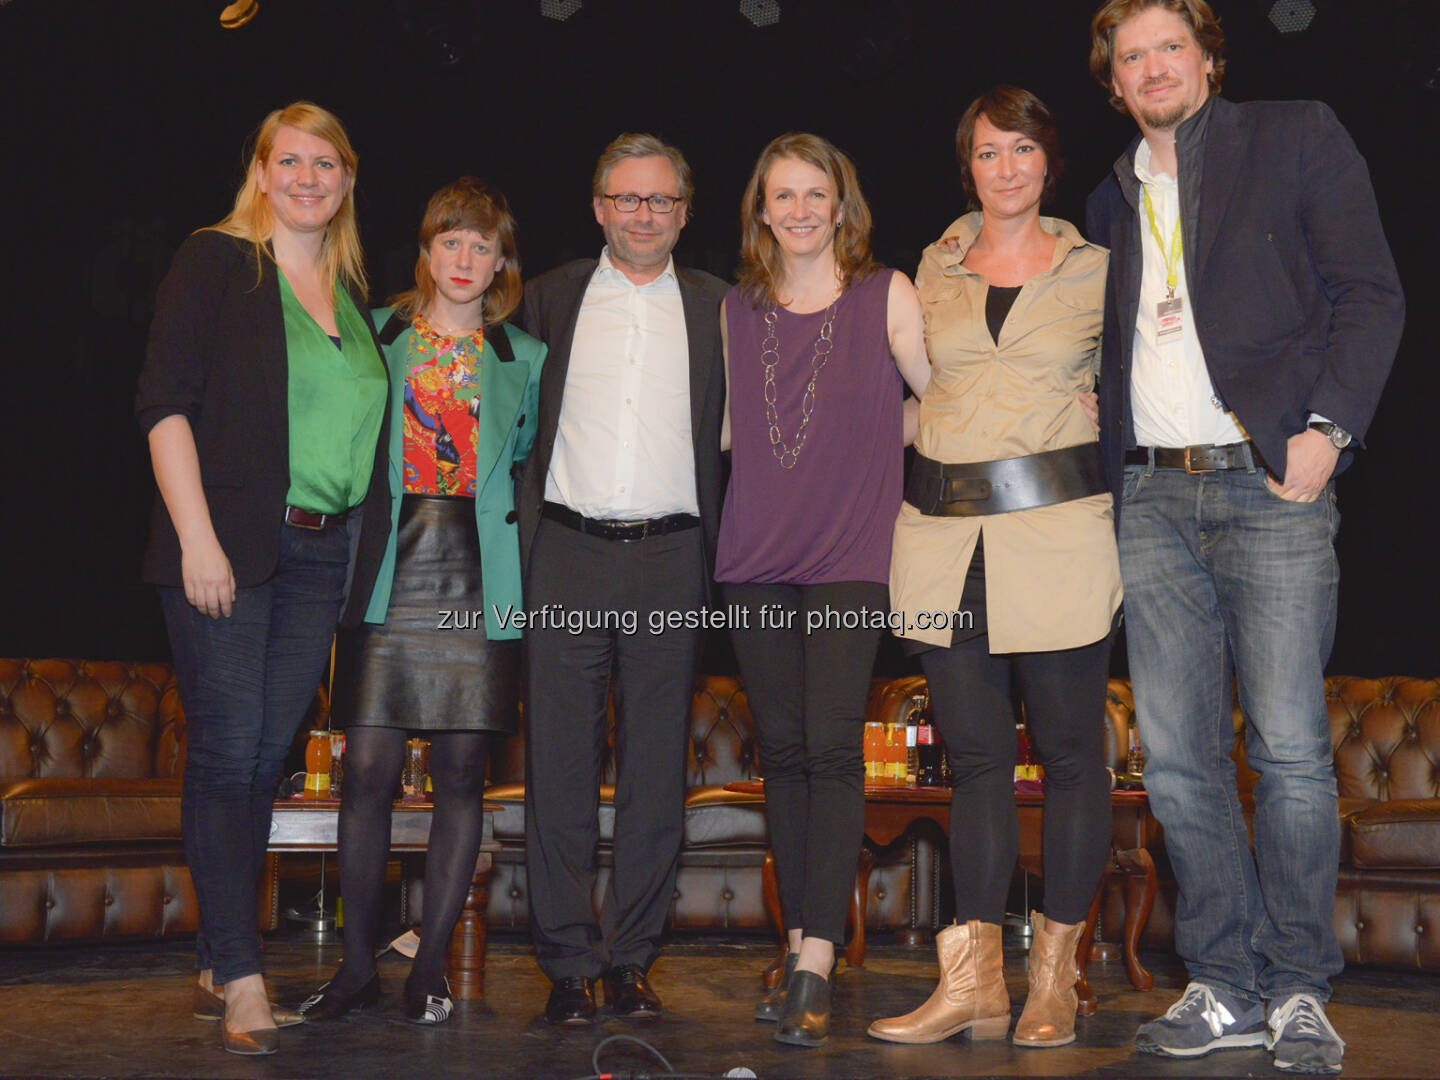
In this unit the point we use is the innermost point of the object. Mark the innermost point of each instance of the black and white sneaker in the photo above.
(1301, 1037)
(428, 1008)
(1205, 1019)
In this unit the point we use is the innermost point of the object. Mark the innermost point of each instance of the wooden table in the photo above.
(890, 810)
(306, 824)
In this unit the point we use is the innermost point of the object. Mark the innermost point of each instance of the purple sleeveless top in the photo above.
(831, 517)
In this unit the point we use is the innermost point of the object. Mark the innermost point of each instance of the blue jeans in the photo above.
(1225, 580)
(245, 682)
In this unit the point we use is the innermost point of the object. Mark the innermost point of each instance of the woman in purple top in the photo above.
(817, 337)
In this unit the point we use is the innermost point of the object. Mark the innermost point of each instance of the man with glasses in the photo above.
(619, 510)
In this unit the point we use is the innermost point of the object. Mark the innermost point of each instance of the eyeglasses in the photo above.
(659, 204)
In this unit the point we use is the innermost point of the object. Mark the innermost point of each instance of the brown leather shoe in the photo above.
(971, 995)
(1049, 1016)
(249, 1043)
(210, 1006)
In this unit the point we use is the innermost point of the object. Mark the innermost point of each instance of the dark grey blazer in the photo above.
(216, 355)
(1293, 289)
(550, 311)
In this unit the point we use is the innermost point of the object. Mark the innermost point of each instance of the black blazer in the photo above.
(216, 355)
(1292, 287)
(550, 311)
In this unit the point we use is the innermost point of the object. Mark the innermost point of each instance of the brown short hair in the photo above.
(760, 254)
(632, 145)
(1010, 108)
(467, 203)
(1196, 14)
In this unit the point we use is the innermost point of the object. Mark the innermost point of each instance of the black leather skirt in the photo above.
(430, 667)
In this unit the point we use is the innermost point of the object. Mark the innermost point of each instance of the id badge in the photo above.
(1169, 319)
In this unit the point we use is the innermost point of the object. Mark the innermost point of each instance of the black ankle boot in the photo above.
(773, 1003)
(805, 1016)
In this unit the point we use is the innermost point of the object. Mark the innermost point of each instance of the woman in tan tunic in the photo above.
(1005, 565)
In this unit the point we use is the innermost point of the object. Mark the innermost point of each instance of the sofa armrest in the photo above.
(1402, 834)
(40, 812)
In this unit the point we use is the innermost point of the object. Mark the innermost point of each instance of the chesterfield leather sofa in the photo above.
(91, 758)
(1386, 738)
(91, 755)
(718, 886)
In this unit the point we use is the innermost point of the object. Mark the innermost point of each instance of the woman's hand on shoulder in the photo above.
(948, 244)
(209, 580)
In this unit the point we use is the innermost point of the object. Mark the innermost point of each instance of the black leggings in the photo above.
(373, 759)
(1064, 695)
(807, 687)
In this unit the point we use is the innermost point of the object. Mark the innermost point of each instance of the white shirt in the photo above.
(1172, 399)
(623, 447)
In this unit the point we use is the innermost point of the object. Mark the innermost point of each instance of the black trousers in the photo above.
(806, 677)
(1064, 696)
(595, 600)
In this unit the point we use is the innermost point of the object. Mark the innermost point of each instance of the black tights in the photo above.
(373, 759)
(1064, 695)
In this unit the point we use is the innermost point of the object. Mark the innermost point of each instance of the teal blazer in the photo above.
(509, 398)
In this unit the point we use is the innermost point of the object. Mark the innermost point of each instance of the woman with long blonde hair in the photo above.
(263, 397)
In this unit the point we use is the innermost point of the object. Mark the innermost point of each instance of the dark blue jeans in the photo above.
(245, 682)
(1225, 580)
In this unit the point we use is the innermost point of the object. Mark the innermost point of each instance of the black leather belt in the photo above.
(619, 530)
(975, 488)
(1197, 459)
(304, 519)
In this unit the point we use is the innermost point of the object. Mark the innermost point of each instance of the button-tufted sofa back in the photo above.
(1386, 735)
(722, 740)
(99, 720)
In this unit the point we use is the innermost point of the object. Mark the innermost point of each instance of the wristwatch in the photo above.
(1338, 436)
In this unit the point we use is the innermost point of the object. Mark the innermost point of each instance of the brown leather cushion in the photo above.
(37, 813)
(1402, 834)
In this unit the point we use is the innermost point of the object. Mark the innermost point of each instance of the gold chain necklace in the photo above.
(770, 356)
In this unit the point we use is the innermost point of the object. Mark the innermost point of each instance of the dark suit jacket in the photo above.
(1292, 287)
(216, 355)
(550, 311)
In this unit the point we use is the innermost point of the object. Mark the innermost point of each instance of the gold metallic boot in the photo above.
(1049, 1016)
(971, 994)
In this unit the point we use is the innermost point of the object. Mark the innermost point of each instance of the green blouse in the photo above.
(336, 400)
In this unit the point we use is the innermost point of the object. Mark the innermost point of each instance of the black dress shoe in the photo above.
(330, 1004)
(773, 1003)
(628, 992)
(572, 1002)
(805, 1017)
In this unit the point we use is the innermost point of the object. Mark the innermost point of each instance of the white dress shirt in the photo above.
(623, 447)
(1172, 399)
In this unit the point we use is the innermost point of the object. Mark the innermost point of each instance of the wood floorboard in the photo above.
(123, 1011)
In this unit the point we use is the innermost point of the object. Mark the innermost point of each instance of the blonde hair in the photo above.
(760, 268)
(467, 204)
(341, 257)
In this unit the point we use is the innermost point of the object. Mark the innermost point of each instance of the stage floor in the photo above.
(123, 1011)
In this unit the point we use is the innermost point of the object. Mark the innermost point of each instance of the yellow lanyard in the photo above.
(1171, 257)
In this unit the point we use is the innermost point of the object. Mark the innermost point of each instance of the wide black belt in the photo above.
(1196, 459)
(619, 530)
(975, 488)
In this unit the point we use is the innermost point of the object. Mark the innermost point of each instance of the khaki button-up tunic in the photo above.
(1052, 574)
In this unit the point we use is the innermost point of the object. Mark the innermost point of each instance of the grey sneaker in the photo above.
(1302, 1038)
(1204, 1019)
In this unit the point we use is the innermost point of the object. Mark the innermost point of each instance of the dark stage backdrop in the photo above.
(123, 125)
